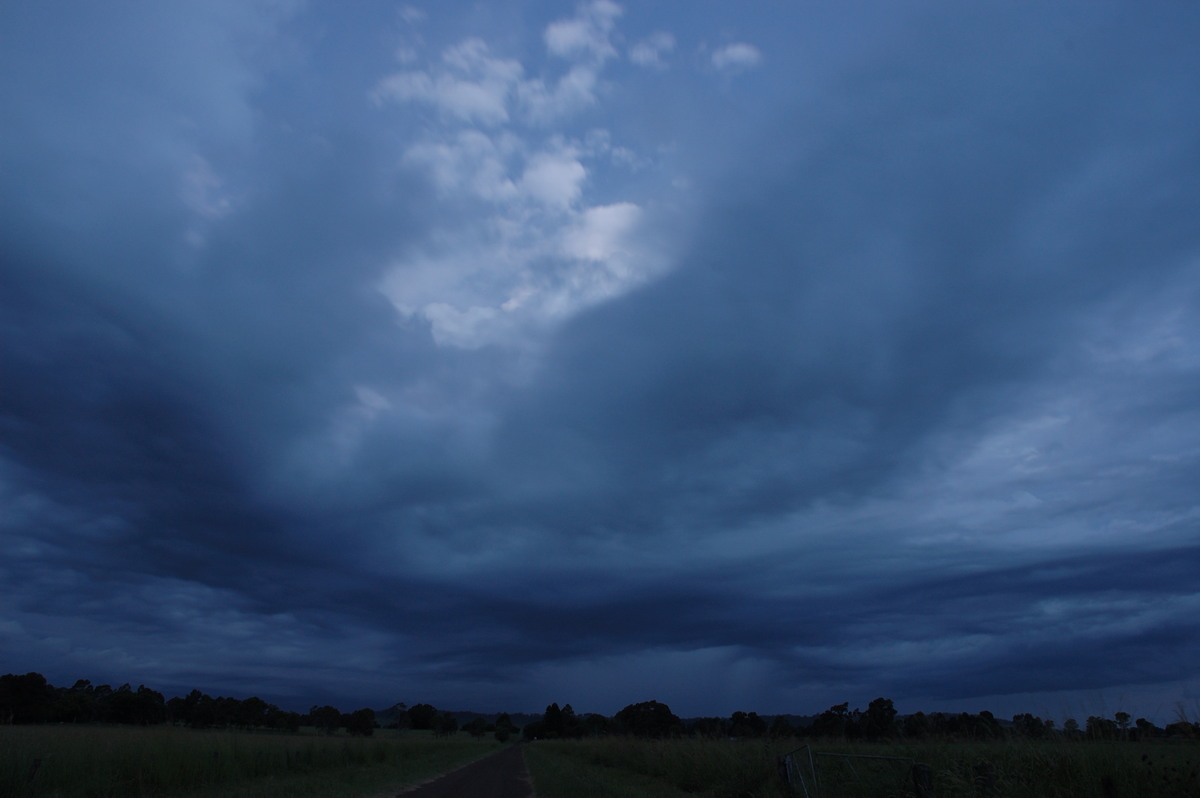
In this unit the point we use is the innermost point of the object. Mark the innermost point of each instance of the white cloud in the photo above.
(587, 34)
(554, 179)
(471, 162)
(465, 329)
(738, 56)
(524, 270)
(203, 193)
(650, 51)
(202, 190)
(601, 233)
(574, 91)
(411, 14)
(538, 254)
(475, 87)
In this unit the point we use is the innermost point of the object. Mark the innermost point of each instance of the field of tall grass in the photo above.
(740, 769)
(123, 762)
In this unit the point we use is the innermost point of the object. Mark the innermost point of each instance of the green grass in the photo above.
(745, 769)
(618, 766)
(121, 762)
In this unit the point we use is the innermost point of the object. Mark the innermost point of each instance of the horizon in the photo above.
(739, 357)
(1098, 706)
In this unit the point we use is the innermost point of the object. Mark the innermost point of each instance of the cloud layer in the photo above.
(505, 364)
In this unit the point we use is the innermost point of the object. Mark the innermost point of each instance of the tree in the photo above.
(136, 708)
(76, 704)
(552, 721)
(712, 728)
(743, 724)
(649, 719)
(504, 721)
(252, 713)
(1146, 730)
(833, 722)
(445, 725)
(1101, 728)
(421, 716)
(916, 726)
(569, 725)
(327, 719)
(594, 724)
(780, 727)
(1028, 725)
(360, 722)
(25, 699)
(880, 721)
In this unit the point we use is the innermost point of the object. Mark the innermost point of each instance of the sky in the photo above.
(756, 356)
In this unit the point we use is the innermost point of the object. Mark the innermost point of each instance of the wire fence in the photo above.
(830, 774)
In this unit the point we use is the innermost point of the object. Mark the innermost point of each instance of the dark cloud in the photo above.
(913, 413)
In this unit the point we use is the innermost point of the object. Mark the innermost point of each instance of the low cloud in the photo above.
(587, 35)
(653, 50)
(736, 57)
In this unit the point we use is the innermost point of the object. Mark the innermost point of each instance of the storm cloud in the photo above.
(403, 355)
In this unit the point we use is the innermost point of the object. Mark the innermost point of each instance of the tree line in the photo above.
(879, 722)
(29, 698)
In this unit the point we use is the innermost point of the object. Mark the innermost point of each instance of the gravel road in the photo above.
(501, 775)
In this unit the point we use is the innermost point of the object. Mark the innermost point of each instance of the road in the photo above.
(501, 775)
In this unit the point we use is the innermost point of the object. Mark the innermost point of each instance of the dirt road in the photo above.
(501, 775)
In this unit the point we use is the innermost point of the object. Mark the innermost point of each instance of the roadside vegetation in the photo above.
(95, 761)
(610, 767)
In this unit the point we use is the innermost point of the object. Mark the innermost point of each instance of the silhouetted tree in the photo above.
(594, 724)
(552, 721)
(743, 724)
(880, 719)
(76, 704)
(143, 707)
(712, 728)
(1030, 726)
(649, 719)
(445, 725)
(833, 722)
(916, 726)
(1145, 730)
(780, 727)
(570, 726)
(25, 699)
(1182, 728)
(1100, 728)
(421, 716)
(360, 722)
(327, 718)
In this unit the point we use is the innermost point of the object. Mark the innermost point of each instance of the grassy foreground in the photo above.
(728, 769)
(123, 762)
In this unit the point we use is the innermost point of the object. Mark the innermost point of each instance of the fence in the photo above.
(829, 774)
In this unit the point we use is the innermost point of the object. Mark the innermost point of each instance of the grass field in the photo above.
(740, 769)
(124, 762)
